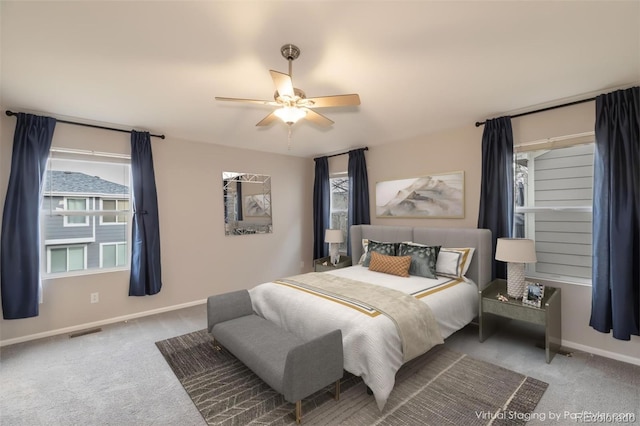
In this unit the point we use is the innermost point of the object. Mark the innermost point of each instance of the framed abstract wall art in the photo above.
(431, 196)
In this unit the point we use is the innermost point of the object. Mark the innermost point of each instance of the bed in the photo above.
(376, 344)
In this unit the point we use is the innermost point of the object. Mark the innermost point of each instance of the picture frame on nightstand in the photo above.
(324, 264)
(533, 295)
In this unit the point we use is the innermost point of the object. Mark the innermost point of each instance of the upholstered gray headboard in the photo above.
(480, 267)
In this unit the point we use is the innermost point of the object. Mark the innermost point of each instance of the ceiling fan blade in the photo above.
(333, 101)
(267, 120)
(283, 83)
(251, 101)
(317, 118)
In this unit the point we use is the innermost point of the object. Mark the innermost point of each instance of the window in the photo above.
(76, 204)
(113, 254)
(117, 205)
(65, 259)
(554, 198)
(85, 213)
(340, 206)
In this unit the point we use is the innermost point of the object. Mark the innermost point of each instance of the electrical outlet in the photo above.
(95, 297)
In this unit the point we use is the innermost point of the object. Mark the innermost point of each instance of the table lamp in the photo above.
(516, 252)
(334, 238)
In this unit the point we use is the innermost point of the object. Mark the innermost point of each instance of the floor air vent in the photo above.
(85, 332)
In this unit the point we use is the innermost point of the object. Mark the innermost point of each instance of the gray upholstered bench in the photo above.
(291, 365)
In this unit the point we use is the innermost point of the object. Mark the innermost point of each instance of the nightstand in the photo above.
(318, 264)
(549, 315)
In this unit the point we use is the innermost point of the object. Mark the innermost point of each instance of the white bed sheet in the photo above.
(372, 345)
(453, 308)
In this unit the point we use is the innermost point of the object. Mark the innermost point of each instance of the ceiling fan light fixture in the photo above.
(292, 103)
(290, 115)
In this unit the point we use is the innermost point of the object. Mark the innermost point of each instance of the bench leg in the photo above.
(336, 396)
(216, 346)
(298, 412)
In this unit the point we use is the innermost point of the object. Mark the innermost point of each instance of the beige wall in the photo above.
(197, 258)
(458, 150)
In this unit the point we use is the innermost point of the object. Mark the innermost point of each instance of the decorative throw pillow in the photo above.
(454, 262)
(394, 265)
(365, 246)
(388, 249)
(423, 258)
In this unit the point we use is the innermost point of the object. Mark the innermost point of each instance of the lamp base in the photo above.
(515, 280)
(333, 252)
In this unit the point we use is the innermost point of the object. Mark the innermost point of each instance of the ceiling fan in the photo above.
(292, 102)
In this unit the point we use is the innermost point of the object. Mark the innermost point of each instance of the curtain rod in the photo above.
(480, 123)
(366, 148)
(75, 123)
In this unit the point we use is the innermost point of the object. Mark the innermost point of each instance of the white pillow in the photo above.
(454, 262)
(365, 247)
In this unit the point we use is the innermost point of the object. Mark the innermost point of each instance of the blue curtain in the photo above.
(616, 215)
(146, 274)
(358, 192)
(20, 242)
(321, 206)
(496, 185)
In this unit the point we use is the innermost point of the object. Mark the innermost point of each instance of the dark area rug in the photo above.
(437, 388)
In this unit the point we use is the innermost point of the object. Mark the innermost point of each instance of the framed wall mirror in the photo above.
(247, 203)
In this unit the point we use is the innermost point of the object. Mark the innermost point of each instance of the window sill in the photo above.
(84, 272)
(559, 280)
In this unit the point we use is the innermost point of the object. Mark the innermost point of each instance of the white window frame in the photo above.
(67, 247)
(117, 243)
(548, 145)
(340, 175)
(118, 212)
(66, 207)
(83, 156)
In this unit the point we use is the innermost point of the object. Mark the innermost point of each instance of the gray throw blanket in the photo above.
(414, 320)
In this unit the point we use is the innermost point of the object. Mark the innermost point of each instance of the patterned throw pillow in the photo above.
(388, 249)
(454, 262)
(365, 245)
(394, 265)
(423, 259)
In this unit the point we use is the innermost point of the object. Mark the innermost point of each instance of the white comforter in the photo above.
(372, 345)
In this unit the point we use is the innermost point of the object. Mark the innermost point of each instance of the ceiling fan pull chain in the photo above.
(289, 138)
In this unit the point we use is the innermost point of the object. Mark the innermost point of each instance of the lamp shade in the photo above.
(290, 114)
(333, 236)
(516, 250)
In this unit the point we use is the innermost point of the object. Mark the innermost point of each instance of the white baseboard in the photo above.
(565, 343)
(99, 323)
(601, 352)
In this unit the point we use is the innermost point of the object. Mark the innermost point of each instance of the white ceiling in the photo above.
(420, 67)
